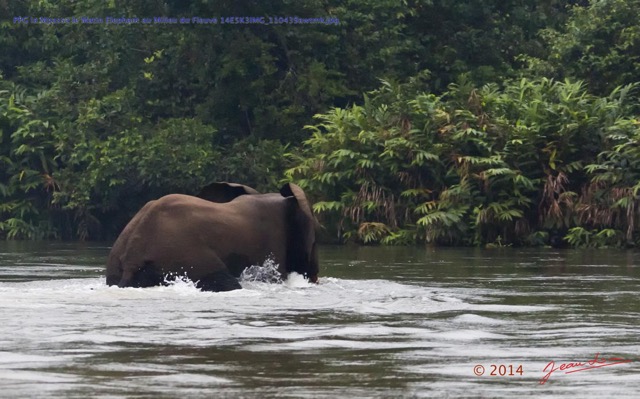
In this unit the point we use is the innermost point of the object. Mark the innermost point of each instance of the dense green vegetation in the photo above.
(474, 166)
(475, 123)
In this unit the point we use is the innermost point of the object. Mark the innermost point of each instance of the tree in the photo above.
(600, 44)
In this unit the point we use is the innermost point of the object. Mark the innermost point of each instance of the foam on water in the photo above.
(295, 280)
(86, 310)
(468, 318)
(175, 338)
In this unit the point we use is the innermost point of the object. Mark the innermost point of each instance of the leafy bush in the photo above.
(26, 165)
(512, 165)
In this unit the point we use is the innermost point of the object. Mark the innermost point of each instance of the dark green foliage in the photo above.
(97, 119)
(26, 165)
(599, 44)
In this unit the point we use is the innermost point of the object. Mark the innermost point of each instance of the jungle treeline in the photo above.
(483, 122)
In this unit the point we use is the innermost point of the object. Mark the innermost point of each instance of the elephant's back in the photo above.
(249, 220)
(177, 201)
(244, 206)
(177, 221)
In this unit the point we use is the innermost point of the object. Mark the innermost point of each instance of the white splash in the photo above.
(180, 282)
(295, 280)
(266, 273)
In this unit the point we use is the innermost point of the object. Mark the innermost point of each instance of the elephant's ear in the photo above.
(224, 192)
(301, 252)
(293, 190)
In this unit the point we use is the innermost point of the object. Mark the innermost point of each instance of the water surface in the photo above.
(383, 322)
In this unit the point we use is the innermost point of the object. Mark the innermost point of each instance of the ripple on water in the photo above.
(179, 339)
(86, 312)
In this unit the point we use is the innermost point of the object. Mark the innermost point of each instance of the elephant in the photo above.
(213, 236)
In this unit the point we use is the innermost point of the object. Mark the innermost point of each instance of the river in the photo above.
(383, 322)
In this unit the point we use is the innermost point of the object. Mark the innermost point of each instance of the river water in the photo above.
(383, 322)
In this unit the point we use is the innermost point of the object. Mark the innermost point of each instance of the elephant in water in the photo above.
(211, 238)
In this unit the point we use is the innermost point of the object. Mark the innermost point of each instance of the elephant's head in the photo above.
(302, 255)
(224, 192)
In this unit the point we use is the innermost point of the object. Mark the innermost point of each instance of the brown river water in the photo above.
(382, 323)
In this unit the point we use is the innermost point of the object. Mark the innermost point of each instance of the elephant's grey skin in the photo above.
(211, 242)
